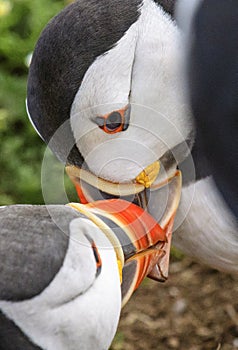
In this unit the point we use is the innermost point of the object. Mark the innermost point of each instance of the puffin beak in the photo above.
(157, 189)
(161, 199)
(149, 175)
(138, 240)
(85, 181)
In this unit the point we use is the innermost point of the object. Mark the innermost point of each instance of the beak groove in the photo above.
(142, 242)
(136, 237)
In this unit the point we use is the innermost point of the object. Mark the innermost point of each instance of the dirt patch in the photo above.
(197, 309)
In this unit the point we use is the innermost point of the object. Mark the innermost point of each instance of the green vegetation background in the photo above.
(21, 149)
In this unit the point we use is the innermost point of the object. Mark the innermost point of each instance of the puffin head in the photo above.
(105, 92)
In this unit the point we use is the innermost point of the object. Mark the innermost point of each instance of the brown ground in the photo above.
(197, 309)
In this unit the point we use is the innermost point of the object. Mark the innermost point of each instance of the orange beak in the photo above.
(138, 240)
(154, 190)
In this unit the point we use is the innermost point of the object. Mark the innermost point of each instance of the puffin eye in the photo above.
(97, 258)
(96, 255)
(114, 122)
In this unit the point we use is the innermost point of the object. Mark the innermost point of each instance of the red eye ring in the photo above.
(96, 254)
(115, 121)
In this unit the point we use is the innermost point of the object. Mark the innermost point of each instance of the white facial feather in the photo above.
(77, 310)
(144, 69)
(209, 232)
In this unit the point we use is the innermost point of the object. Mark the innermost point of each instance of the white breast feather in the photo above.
(209, 232)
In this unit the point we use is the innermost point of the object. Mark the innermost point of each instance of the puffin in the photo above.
(107, 93)
(103, 92)
(68, 269)
(211, 73)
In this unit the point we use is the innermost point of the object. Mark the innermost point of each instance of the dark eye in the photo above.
(96, 255)
(97, 258)
(114, 121)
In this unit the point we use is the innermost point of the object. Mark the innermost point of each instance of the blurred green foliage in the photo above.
(21, 149)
